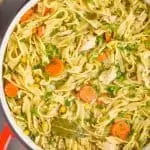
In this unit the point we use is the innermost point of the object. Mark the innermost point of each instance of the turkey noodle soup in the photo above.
(77, 74)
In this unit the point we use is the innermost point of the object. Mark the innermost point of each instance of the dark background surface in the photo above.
(8, 9)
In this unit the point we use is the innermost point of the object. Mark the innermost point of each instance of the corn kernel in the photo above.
(44, 126)
(86, 106)
(62, 109)
(23, 59)
(36, 86)
(37, 79)
(26, 132)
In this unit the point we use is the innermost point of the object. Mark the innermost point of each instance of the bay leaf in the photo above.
(65, 128)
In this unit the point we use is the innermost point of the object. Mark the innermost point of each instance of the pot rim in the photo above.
(17, 130)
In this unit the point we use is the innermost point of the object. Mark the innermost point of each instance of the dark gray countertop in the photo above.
(8, 9)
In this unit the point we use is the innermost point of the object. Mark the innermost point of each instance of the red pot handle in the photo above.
(5, 137)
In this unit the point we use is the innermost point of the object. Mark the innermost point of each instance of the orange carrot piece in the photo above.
(102, 57)
(27, 15)
(120, 129)
(87, 94)
(108, 36)
(11, 90)
(47, 11)
(40, 31)
(55, 68)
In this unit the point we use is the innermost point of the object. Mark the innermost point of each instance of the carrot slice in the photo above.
(87, 94)
(47, 11)
(108, 36)
(120, 129)
(27, 15)
(40, 31)
(102, 57)
(55, 68)
(11, 90)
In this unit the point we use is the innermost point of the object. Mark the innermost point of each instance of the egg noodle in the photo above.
(104, 49)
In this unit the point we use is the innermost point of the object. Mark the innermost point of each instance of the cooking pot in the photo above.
(12, 129)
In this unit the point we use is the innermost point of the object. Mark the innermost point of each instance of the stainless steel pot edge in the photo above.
(25, 139)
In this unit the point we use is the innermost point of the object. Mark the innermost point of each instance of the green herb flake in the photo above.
(51, 51)
(122, 114)
(67, 103)
(112, 27)
(91, 119)
(34, 111)
(112, 89)
(93, 56)
(132, 132)
(120, 76)
(38, 66)
(127, 47)
(97, 88)
(22, 95)
(100, 40)
(47, 95)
